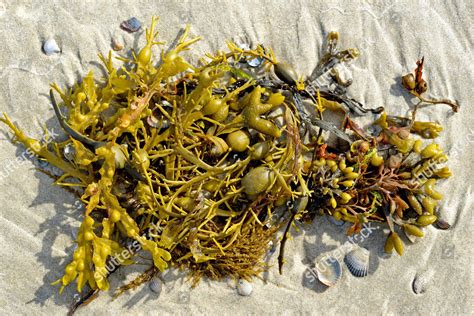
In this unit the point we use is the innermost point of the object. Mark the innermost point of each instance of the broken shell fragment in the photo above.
(357, 262)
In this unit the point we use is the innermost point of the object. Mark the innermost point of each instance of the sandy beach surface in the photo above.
(39, 221)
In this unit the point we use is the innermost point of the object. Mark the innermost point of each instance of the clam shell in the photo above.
(50, 47)
(421, 281)
(329, 271)
(244, 288)
(357, 262)
(156, 285)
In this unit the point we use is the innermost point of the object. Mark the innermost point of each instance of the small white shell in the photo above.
(357, 262)
(421, 281)
(51, 47)
(329, 271)
(244, 288)
(69, 152)
(156, 285)
(255, 62)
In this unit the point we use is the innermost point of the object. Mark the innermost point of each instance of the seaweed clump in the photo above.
(202, 165)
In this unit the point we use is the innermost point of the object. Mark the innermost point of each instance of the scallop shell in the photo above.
(50, 47)
(329, 271)
(421, 281)
(156, 285)
(244, 288)
(357, 262)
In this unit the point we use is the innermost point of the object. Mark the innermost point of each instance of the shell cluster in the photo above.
(329, 270)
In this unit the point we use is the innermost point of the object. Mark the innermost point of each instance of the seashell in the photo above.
(255, 62)
(156, 285)
(357, 262)
(329, 271)
(50, 47)
(69, 152)
(131, 25)
(244, 288)
(421, 281)
(116, 44)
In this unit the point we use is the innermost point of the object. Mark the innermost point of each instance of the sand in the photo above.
(38, 221)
